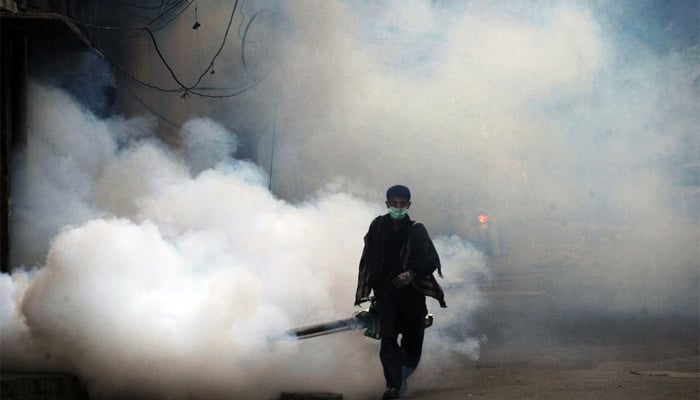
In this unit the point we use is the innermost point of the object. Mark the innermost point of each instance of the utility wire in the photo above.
(127, 4)
(154, 29)
(245, 36)
(151, 24)
(223, 42)
(184, 89)
(156, 113)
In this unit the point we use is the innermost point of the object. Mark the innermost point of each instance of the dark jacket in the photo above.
(418, 255)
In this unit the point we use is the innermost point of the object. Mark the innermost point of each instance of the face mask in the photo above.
(397, 213)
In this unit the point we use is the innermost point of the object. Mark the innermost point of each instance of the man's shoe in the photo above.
(391, 393)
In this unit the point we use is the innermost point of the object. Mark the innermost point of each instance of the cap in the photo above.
(400, 191)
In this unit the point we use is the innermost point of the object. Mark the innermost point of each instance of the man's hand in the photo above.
(403, 279)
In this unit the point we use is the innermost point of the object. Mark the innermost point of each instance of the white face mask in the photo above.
(398, 213)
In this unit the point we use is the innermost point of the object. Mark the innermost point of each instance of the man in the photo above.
(398, 261)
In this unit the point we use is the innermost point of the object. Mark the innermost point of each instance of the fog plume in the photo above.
(573, 123)
(577, 131)
(157, 263)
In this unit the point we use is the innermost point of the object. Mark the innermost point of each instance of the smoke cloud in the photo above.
(158, 264)
(579, 137)
(577, 132)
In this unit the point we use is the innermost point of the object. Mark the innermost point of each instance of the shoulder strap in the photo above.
(406, 250)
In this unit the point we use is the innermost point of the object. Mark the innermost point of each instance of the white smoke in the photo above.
(183, 261)
(575, 136)
(173, 282)
(207, 142)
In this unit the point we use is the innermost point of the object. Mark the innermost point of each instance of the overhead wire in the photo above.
(245, 36)
(183, 88)
(145, 7)
(156, 113)
(221, 47)
(139, 28)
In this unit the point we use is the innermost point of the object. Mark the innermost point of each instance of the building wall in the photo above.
(24, 37)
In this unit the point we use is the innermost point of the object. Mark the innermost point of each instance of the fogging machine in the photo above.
(366, 319)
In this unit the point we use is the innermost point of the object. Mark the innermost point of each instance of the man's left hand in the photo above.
(403, 279)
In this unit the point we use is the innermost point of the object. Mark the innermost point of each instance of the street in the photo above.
(538, 349)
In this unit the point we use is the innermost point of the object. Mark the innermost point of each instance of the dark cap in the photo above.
(399, 191)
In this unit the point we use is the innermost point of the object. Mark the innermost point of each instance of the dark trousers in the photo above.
(401, 311)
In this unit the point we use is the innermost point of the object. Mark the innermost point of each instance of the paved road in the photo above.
(541, 348)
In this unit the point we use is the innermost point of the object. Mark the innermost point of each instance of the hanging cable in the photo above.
(184, 89)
